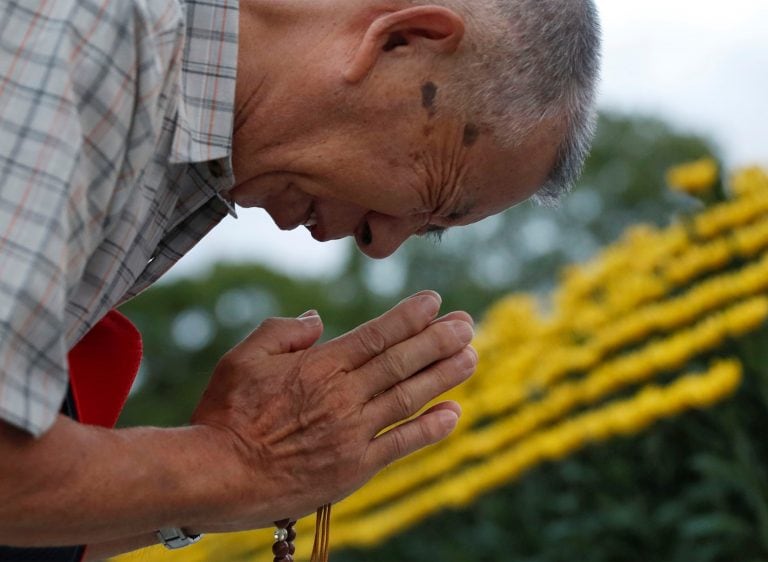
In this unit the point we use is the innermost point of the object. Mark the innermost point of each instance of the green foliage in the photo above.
(690, 489)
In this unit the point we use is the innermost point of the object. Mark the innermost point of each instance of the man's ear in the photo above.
(432, 27)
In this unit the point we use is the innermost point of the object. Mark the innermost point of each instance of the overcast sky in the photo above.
(700, 64)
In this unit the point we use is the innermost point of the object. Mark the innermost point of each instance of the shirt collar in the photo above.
(207, 103)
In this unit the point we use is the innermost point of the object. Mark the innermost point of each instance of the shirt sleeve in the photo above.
(79, 82)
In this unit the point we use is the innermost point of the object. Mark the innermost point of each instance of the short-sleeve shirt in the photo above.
(115, 135)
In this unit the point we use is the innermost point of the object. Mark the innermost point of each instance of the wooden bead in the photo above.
(285, 534)
(280, 549)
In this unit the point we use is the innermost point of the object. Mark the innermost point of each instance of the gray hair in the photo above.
(527, 61)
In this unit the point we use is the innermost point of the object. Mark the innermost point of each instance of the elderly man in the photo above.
(129, 128)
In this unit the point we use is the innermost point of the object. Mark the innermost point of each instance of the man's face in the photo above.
(386, 179)
(349, 131)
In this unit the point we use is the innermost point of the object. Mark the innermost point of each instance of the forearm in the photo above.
(84, 485)
(102, 551)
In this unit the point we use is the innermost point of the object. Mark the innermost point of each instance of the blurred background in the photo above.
(681, 80)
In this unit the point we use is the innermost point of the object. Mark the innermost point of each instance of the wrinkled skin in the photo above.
(306, 418)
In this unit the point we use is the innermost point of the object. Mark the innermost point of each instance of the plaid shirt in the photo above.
(115, 131)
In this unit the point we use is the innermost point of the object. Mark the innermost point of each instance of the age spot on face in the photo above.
(428, 97)
(471, 134)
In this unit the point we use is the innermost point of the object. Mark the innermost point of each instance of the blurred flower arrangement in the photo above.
(637, 334)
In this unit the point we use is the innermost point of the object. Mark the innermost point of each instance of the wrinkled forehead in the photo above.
(498, 178)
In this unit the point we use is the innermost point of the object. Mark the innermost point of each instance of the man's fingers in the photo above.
(454, 407)
(405, 399)
(439, 341)
(405, 320)
(284, 335)
(456, 315)
(432, 426)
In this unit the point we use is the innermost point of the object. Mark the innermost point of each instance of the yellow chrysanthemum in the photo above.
(695, 178)
(749, 180)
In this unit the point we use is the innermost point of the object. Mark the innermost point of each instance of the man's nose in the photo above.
(382, 234)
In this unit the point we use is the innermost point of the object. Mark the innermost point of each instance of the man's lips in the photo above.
(313, 221)
(321, 232)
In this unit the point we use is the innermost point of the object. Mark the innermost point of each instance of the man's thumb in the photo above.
(283, 335)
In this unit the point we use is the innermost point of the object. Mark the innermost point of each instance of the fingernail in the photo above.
(425, 294)
(448, 419)
(310, 318)
(463, 331)
(467, 360)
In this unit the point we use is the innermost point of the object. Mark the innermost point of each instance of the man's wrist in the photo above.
(222, 487)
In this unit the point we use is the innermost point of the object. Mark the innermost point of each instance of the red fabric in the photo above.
(102, 368)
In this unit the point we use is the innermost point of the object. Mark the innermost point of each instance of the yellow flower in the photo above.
(694, 178)
(749, 180)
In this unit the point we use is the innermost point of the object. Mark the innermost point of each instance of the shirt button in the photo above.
(215, 168)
